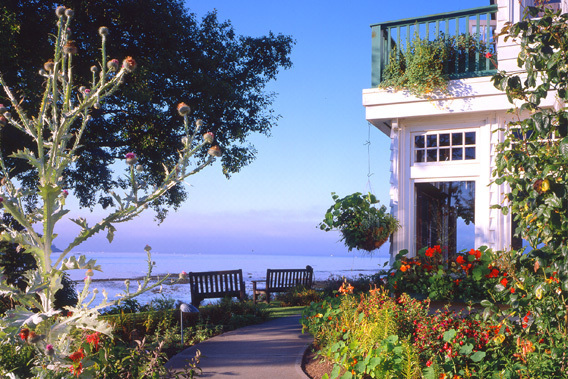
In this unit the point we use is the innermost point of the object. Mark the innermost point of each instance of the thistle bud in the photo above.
(82, 89)
(69, 13)
(60, 11)
(183, 109)
(129, 64)
(64, 193)
(199, 123)
(208, 137)
(94, 69)
(49, 350)
(215, 151)
(184, 141)
(3, 109)
(103, 31)
(8, 115)
(112, 65)
(87, 92)
(131, 159)
(49, 65)
(139, 168)
(3, 121)
(70, 47)
(42, 72)
(89, 272)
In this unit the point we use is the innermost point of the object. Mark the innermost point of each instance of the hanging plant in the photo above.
(363, 225)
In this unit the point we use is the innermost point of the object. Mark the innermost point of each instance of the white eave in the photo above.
(465, 96)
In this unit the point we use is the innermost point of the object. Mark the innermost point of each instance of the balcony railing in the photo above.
(475, 26)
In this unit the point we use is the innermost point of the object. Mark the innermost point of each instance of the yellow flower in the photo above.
(545, 185)
(499, 339)
(319, 315)
(539, 293)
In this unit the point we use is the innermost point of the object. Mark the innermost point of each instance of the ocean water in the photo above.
(116, 267)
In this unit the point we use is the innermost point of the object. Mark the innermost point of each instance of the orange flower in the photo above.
(460, 260)
(403, 268)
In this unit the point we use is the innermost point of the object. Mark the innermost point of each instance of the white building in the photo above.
(443, 149)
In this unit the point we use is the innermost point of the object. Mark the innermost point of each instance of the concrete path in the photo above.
(266, 351)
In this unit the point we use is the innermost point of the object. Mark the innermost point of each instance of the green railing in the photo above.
(475, 26)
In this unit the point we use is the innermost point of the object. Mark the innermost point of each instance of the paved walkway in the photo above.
(266, 351)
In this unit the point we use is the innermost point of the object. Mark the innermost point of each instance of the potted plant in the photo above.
(363, 224)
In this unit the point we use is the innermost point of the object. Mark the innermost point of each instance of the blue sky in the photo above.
(275, 204)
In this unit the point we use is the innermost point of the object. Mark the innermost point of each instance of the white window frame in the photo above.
(476, 170)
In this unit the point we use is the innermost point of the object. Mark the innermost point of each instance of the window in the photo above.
(445, 216)
(444, 146)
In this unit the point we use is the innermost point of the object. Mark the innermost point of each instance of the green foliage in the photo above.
(221, 75)
(17, 359)
(424, 66)
(299, 296)
(363, 225)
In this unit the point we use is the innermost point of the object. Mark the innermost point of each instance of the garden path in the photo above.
(273, 350)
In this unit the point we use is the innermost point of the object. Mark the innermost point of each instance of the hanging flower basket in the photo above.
(363, 225)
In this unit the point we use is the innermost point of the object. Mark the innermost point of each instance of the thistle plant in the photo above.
(56, 132)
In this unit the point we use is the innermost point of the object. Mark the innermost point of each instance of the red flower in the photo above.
(460, 260)
(438, 249)
(94, 340)
(77, 356)
(504, 282)
(24, 333)
(429, 252)
(488, 55)
(76, 370)
(493, 274)
(512, 289)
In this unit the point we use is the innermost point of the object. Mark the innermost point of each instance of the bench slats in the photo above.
(216, 284)
(282, 280)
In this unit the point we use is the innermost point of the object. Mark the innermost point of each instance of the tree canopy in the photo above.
(222, 76)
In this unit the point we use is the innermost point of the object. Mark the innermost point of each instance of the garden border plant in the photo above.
(63, 115)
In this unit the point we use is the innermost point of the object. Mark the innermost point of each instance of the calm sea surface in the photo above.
(119, 266)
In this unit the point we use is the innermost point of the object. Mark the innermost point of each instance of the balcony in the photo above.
(467, 35)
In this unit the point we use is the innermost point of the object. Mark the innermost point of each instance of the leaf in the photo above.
(466, 349)
(478, 356)
(564, 146)
(449, 335)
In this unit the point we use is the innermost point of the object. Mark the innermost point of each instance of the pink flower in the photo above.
(113, 65)
(208, 137)
(488, 55)
(131, 158)
(49, 349)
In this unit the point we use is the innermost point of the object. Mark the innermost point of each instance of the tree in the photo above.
(532, 160)
(220, 75)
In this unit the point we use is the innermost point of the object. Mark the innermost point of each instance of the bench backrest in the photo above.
(281, 280)
(216, 284)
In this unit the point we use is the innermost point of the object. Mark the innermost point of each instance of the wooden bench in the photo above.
(282, 280)
(216, 284)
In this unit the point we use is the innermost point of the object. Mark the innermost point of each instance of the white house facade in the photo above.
(443, 148)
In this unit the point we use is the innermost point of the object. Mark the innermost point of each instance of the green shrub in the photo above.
(299, 296)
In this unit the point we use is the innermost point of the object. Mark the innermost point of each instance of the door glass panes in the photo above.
(445, 216)
(444, 147)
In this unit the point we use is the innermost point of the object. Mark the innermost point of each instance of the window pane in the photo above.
(445, 216)
(457, 154)
(457, 139)
(432, 140)
(445, 139)
(432, 155)
(470, 153)
(444, 155)
(470, 138)
(419, 156)
(419, 141)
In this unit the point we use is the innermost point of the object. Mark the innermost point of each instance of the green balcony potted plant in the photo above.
(363, 224)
